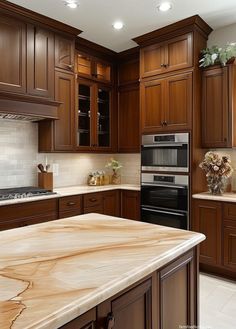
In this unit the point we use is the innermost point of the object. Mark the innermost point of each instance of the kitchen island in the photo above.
(97, 271)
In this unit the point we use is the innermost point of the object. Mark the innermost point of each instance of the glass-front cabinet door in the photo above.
(103, 126)
(85, 108)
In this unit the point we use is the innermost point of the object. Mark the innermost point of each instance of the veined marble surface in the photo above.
(73, 190)
(227, 196)
(51, 273)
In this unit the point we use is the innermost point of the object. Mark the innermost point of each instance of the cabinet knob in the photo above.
(162, 65)
(93, 199)
(110, 321)
(70, 66)
(166, 65)
(165, 123)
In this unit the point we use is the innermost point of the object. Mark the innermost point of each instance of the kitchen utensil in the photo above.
(41, 167)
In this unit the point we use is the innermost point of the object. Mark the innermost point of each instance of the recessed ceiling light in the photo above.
(118, 25)
(71, 4)
(164, 6)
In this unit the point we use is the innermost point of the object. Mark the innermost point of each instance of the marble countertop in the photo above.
(46, 283)
(227, 196)
(73, 190)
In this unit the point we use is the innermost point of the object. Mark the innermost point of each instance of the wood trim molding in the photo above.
(180, 27)
(11, 9)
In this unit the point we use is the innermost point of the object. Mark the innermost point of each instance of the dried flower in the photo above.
(215, 165)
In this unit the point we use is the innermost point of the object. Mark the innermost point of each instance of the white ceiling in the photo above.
(95, 17)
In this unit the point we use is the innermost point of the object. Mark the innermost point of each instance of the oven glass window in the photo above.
(169, 156)
(165, 197)
(160, 218)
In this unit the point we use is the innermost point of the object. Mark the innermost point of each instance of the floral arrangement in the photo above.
(114, 165)
(218, 55)
(218, 169)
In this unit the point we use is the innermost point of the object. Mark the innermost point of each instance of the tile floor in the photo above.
(217, 303)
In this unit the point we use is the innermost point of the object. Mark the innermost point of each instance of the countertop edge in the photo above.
(72, 311)
(227, 197)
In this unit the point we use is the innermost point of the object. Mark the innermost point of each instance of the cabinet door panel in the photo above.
(179, 101)
(40, 62)
(64, 130)
(13, 55)
(230, 247)
(152, 60)
(64, 53)
(84, 321)
(129, 118)
(215, 108)
(179, 53)
(152, 105)
(111, 203)
(207, 220)
(130, 205)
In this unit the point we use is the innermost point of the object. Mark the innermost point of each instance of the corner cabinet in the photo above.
(64, 53)
(166, 103)
(218, 106)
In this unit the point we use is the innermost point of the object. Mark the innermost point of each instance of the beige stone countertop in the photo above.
(73, 190)
(227, 196)
(50, 273)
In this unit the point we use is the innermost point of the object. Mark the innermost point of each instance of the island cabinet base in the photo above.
(166, 299)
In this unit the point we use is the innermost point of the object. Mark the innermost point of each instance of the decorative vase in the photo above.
(115, 178)
(216, 184)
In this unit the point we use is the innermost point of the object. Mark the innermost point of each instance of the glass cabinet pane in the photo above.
(103, 117)
(84, 115)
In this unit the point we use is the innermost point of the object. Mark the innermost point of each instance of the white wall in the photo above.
(222, 36)
(19, 158)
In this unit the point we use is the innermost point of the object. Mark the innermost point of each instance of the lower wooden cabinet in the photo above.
(70, 206)
(217, 220)
(111, 203)
(166, 299)
(208, 220)
(130, 204)
(28, 213)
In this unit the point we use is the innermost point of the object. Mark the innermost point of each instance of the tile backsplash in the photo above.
(19, 158)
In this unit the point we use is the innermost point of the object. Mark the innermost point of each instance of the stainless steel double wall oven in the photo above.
(165, 179)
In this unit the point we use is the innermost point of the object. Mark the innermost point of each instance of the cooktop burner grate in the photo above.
(22, 192)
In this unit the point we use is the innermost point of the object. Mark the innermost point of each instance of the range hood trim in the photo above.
(31, 106)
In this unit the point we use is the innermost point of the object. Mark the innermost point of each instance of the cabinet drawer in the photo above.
(230, 211)
(69, 203)
(98, 209)
(92, 200)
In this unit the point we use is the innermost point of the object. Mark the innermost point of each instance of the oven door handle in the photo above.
(164, 145)
(164, 185)
(164, 212)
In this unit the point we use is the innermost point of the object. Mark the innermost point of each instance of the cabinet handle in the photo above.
(165, 123)
(162, 123)
(162, 65)
(166, 65)
(110, 321)
(93, 199)
(71, 203)
(70, 66)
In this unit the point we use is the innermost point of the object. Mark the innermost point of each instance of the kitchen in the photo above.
(73, 101)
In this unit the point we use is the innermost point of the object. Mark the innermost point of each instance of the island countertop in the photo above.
(53, 272)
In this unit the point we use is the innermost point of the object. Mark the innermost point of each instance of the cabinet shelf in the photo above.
(83, 131)
(83, 114)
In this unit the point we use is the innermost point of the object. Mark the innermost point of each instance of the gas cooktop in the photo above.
(22, 192)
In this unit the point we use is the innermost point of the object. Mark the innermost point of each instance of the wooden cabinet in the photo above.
(40, 62)
(207, 219)
(178, 293)
(70, 206)
(173, 54)
(64, 53)
(59, 135)
(95, 117)
(166, 104)
(230, 247)
(128, 119)
(93, 68)
(13, 55)
(111, 203)
(130, 204)
(130, 310)
(29, 213)
(218, 106)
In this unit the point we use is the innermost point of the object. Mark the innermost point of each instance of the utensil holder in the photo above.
(45, 180)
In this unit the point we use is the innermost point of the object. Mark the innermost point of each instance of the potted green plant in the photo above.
(115, 166)
(218, 55)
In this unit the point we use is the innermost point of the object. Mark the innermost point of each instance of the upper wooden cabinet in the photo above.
(164, 57)
(64, 53)
(93, 68)
(13, 55)
(40, 62)
(128, 71)
(166, 104)
(218, 106)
